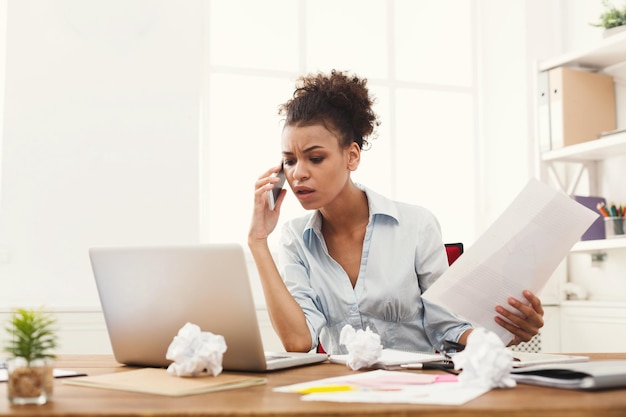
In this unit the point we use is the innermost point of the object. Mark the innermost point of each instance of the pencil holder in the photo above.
(614, 227)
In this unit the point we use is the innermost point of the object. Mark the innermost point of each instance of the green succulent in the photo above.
(32, 334)
(612, 16)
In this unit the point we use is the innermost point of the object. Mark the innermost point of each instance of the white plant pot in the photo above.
(613, 31)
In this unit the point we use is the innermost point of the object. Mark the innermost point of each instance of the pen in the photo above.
(429, 365)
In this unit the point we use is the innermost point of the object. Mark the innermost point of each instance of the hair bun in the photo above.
(338, 98)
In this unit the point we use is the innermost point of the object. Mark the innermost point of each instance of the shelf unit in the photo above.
(599, 320)
(599, 245)
(608, 54)
(586, 153)
(596, 150)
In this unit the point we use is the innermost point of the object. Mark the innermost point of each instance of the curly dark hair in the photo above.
(339, 101)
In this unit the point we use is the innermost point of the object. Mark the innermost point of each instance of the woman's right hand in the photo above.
(264, 220)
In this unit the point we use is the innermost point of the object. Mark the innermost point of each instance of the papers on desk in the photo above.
(394, 359)
(57, 373)
(158, 381)
(382, 386)
(520, 251)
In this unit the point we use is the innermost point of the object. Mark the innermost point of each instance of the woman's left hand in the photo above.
(525, 322)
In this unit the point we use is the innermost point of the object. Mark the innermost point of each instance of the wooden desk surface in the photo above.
(260, 401)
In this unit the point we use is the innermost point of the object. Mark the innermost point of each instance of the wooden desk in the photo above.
(260, 401)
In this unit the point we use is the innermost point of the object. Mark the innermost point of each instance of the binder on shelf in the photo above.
(543, 115)
(596, 231)
(582, 106)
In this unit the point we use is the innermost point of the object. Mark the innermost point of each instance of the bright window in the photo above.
(420, 71)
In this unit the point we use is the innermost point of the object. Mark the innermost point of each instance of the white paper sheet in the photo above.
(449, 393)
(382, 386)
(520, 251)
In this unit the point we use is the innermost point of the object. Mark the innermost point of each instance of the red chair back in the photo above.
(453, 250)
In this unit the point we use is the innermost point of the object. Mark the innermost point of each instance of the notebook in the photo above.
(526, 359)
(159, 382)
(148, 293)
(391, 359)
(398, 359)
(592, 375)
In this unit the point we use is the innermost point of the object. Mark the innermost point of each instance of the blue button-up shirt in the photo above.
(403, 254)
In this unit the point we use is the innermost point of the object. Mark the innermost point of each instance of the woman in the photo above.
(358, 258)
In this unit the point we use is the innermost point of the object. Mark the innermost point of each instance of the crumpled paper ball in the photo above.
(193, 351)
(363, 346)
(485, 361)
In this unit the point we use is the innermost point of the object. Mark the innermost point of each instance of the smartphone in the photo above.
(272, 195)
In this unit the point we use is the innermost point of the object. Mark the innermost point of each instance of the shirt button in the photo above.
(354, 309)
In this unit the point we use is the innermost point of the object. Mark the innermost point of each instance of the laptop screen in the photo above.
(149, 293)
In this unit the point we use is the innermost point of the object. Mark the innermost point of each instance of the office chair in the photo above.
(453, 250)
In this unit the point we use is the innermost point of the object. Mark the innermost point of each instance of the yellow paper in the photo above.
(324, 388)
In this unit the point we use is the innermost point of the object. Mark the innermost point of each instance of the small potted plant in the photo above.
(613, 19)
(32, 337)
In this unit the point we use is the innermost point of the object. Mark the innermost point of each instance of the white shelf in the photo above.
(599, 245)
(594, 150)
(594, 303)
(607, 53)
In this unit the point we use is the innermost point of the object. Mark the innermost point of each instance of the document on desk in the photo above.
(383, 386)
(520, 251)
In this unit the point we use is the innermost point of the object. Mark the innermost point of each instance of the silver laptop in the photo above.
(149, 293)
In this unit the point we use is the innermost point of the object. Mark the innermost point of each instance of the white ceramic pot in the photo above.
(613, 31)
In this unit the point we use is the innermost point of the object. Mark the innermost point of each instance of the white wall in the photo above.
(100, 139)
(3, 43)
(504, 108)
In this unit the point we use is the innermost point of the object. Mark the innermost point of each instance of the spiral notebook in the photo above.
(592, 375)
(395, 359)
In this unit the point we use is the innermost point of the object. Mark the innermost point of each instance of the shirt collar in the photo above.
(378, 205)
